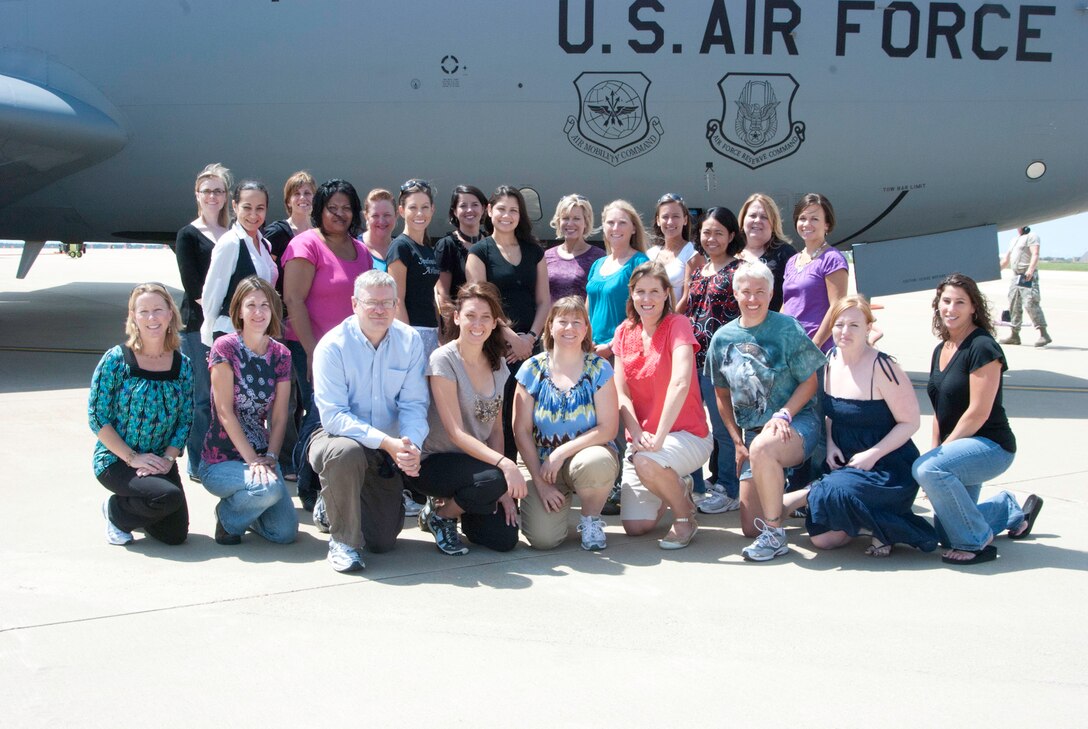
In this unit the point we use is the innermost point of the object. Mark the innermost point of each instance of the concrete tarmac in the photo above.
(93, 635)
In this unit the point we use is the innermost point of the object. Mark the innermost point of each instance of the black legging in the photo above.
(475, 486)
(155, 504)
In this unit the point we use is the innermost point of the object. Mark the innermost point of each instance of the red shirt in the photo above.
(648, 375)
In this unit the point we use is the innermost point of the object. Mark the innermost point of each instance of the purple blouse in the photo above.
(804, 292)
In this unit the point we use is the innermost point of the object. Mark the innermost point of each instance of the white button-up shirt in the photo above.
(224, 259)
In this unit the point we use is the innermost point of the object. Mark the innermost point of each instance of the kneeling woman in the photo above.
(251, 384)
(565, 419)
(141, 409)
(871, 414)
(659, 401)
(464, 471)
(972, 440)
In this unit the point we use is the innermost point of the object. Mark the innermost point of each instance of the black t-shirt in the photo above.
(420, 278)
(279, 234)
(776, 258)
(517, 284)
(451, 255)
(950, 391)
(193, 250)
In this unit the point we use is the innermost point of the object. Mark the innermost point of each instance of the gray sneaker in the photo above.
(114, 534)
(321, 517)
(411, 506)
(770, 543)
(718, 503)
(592, 530)
(344, 558)
(445, 533)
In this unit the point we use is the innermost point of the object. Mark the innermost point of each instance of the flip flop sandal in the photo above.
(986, 554)
(1032, 506)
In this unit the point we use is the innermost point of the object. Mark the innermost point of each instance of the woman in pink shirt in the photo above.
(319, 270)
(661, 407)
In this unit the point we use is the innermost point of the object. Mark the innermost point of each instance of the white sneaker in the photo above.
(411, 508)
(344, 558)
(714, 487)
(114, 535)
(592, 530)
(718, 503)
(770, 543)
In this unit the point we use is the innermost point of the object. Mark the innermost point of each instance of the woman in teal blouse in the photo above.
(141, 408)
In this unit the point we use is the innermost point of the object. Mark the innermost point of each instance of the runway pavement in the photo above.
(93, 635)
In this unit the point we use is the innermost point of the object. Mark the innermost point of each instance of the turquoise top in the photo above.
(608, 296)
(149, 410)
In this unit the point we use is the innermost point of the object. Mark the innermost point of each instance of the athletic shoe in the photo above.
(344, 558)
(445, 533)
(612, 505)
(770, 543)
(114, 534)
(714, 487)
(411, 506)
(718, 503)
(592, 530)
(321, 517)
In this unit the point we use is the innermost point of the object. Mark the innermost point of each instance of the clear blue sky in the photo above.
(1061, 238)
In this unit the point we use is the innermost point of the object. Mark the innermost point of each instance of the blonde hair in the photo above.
(216, 171)
(568, 203)
(638, 240)
(376, 195)
(778, 237)
(172, 340)
(850, 302)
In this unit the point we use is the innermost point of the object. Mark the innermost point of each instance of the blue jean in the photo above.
(952, 476)
(244, 504)
(194, 349)
(727, 453)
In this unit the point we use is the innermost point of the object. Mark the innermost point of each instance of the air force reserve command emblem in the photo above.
(612, 124)
(757, 126)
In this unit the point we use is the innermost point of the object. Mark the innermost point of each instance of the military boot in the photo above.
(1013, 338)
(1044, 338)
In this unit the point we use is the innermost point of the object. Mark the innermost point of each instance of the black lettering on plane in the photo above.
(718, 32)
(949, 31)
(647, 26)
(564, 27)
(1025, 32)
(987, 54)
(913, 20)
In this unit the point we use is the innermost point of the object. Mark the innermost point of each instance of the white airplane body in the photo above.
(914, 118)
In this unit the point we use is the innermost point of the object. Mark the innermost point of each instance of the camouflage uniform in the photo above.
(1024, 297)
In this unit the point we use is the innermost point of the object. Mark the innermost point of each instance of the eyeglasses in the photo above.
(670, 197)
(209, 193)
(378, 303)
(414, 183)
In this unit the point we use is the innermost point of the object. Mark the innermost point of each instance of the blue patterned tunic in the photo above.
(149, 410)
(560, 416)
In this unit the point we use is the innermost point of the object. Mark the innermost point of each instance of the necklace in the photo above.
(469, 239)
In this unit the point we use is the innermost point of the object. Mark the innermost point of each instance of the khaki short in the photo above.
(683, 452)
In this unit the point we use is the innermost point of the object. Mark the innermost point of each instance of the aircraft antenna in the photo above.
(711, 177)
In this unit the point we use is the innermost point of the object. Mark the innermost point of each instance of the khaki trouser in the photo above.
(1025, 297)
(594, 467)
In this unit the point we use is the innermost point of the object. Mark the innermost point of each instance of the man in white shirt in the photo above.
(372, 395)
(1023, 258)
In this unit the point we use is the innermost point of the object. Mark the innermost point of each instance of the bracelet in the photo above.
(130, 457)
(499, 461)
(784, 414)
(533, 334)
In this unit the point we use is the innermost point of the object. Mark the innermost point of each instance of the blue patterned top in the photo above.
(560, 416)
(151, 411)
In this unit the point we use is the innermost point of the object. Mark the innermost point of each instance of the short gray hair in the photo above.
(373, 279)
(754, 271)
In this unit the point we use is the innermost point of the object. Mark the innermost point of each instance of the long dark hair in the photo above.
(981, 318)
(467, 190)
(524, 231)
(725, 217)
(495, 346)
(672, 197)
(321, 199)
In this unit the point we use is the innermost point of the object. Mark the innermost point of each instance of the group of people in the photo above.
(411, 375)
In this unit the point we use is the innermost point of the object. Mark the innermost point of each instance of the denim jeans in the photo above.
(194, 349)
(952, 476)
(727, 453)
(244, 504)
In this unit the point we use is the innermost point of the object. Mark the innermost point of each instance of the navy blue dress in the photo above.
(850, 499)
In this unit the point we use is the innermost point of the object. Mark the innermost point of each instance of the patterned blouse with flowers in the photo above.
(562, 415)
(151, 411)
(711, 305)
(255, 380)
